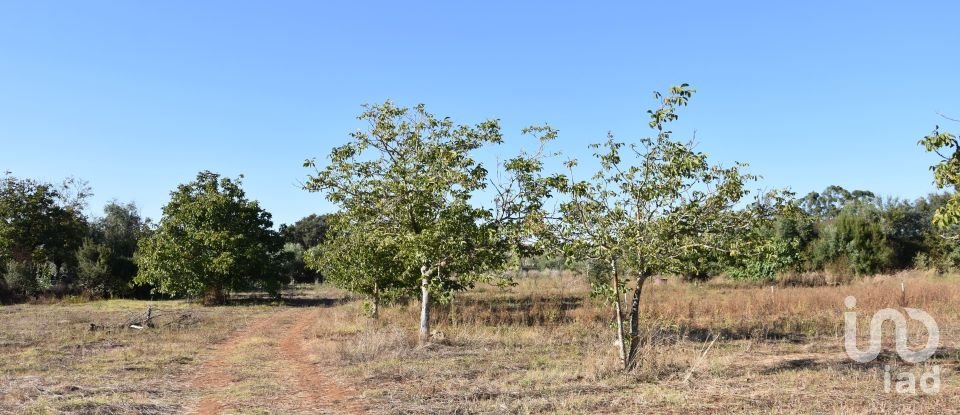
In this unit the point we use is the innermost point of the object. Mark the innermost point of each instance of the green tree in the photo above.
(832, 200)
(26, 278)
(780, 244)
(904, 226)
(946, 173)
(363, 261)
(93, 268)
(852, 243)
(309, 231)
(301, 236)
(106, 264)
(936, 246)
(211, 241)
(39, 223)
(410, 178)
(652, 205)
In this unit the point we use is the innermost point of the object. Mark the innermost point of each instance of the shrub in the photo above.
(93, 269)
(27, 278)
(781, 250)
(852, 243)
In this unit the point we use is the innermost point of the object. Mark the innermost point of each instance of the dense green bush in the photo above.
(105, 266)
(848, 233)
(294, 265)
(784, 239)
(40, 222)
(211, 241)
(854, 243)
(93, 268)
(301, 236)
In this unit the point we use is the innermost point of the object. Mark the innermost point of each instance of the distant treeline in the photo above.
(853, 233)
(838, 232)
(51, 245)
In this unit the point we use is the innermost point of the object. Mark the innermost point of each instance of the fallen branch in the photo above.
(142, 321)
(152, 319)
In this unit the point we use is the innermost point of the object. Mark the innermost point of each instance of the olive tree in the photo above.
(411, 178)
(211, 240)
(650, 206)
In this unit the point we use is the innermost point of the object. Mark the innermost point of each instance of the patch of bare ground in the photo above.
(249, 357)
(264, 368)
(52, 363)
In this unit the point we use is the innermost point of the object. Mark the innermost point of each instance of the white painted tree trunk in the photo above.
(424, 307)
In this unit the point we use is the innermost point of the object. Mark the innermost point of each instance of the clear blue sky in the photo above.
(137, 96)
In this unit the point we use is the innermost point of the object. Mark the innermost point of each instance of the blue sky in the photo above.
(136, 97)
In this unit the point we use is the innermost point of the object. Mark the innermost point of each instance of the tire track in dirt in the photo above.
(312, 390)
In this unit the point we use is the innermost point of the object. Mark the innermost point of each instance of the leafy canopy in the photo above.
(308, 232)
(655, 206)
(40, 221)
(361, 259)
(211, 239)
(410, 178)
(656, 202)
(946, 173)
(106, 264)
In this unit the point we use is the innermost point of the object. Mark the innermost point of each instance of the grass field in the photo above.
(543, 346)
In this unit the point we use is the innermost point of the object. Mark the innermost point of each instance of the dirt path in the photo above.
(266, 366)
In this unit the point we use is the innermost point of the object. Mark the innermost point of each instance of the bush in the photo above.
(781, 250)
(853, 243)
(228, 237)
(29, 279)
(295, 267)
(93, 270)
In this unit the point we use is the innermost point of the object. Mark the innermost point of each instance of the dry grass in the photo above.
(545, 347)
(53, 363)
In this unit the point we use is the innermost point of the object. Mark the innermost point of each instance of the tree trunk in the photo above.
(424, 306)
(615, 282)
(214, 296)
(635, 342)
